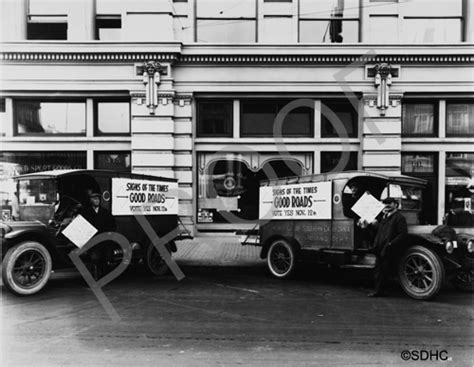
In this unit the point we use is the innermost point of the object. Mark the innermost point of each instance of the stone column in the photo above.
(381, 141)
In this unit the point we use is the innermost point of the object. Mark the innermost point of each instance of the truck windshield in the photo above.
(37, 191)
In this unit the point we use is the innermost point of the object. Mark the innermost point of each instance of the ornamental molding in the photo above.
(127, 57)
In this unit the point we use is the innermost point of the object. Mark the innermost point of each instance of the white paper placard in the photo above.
(298, 201)
(79, 231)
(367, 207)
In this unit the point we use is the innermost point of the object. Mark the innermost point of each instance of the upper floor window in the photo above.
(47, 27)
(338, 119)
(112, 117)
(117, 161)
(460, 118)
(258, 118)
(431, 30)
(338, 161)
(108, 27)
(231, 21)
(55, 117)
(3, 120)
(214, 118)
(419, 118)
(329, 21)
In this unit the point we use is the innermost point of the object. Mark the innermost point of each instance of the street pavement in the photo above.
(229, 311)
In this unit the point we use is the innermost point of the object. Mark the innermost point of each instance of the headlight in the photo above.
(449, 247)
(470, 246)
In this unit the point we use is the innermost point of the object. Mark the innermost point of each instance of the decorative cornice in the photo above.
(118, 57)
(86, 57)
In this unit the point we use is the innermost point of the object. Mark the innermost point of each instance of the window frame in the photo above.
(457, 101)
(95, 109)
(354, 114)
(48, 100)
(198, 118)
(435, 103)
(106, 18)
(96, 158)
(278, 101)
(47, 19)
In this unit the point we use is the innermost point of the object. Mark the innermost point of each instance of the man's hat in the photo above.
(389, 201)
(94, 193)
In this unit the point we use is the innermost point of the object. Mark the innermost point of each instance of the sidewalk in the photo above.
(217, 251)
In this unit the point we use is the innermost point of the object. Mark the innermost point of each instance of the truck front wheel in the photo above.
(155, 262)
(26, 268)
(421, 273)
(281, 258)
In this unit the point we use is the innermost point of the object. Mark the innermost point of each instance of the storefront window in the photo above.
(459, 189)
(418, 119)
(17, 163)
(214, 118)
(3, 118)
(112, 118)
(229, 189)
(330, 161)
(338, 118)
(116, 161)
(459, 119)
(36, 117)
(423, 165)
(258, 119)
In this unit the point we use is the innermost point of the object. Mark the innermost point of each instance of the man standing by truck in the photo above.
(391, 227)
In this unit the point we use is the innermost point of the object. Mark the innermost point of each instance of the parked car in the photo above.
(312, 219)
(50, 202)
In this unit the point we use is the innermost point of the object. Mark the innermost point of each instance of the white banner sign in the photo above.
(144, 197)
(299, 201)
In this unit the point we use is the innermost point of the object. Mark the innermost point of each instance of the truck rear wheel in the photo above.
(26, 268)
(281, 258)
(421, 273)
(464, 278)
(155, 262)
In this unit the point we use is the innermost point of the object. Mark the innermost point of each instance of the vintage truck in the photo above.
(35, 243)
(311, 218)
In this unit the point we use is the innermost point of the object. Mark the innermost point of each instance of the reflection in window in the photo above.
(258, 119)
(17, 163)
(226, 30)
(108, 27)
(460, 119)
(3, 118)
(417, 163)
(113, 117)
(115, 161)
(317, 31)
(383, 29)
(431, 30)
(418, 118)
(340, 161)
(459, 189)
(337, 116)
(214, 118)
(50, 117)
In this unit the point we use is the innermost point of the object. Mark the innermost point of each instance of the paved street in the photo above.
(230, 311)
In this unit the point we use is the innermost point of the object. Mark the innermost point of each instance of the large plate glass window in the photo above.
(258, 118)
(338, 118)
(459, 189)
(419, 118)
(112, 117)
(214, 118)
(50, 117)
(342, 161)
(460, 118)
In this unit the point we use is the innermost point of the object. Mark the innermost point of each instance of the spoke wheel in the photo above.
(154, 262)
(421, 273)
(281, 259)
(26, 268)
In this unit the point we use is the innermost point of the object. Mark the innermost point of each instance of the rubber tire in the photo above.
(285, 246)
(436, 266)
(10, 259)
(163, 267)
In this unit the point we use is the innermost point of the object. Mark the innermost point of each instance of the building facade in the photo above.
(221, 94)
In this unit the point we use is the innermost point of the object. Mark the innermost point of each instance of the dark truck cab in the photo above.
(34, 244)
(311, 218)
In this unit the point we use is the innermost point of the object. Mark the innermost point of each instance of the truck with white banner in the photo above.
(56, 217)
(317, 219)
